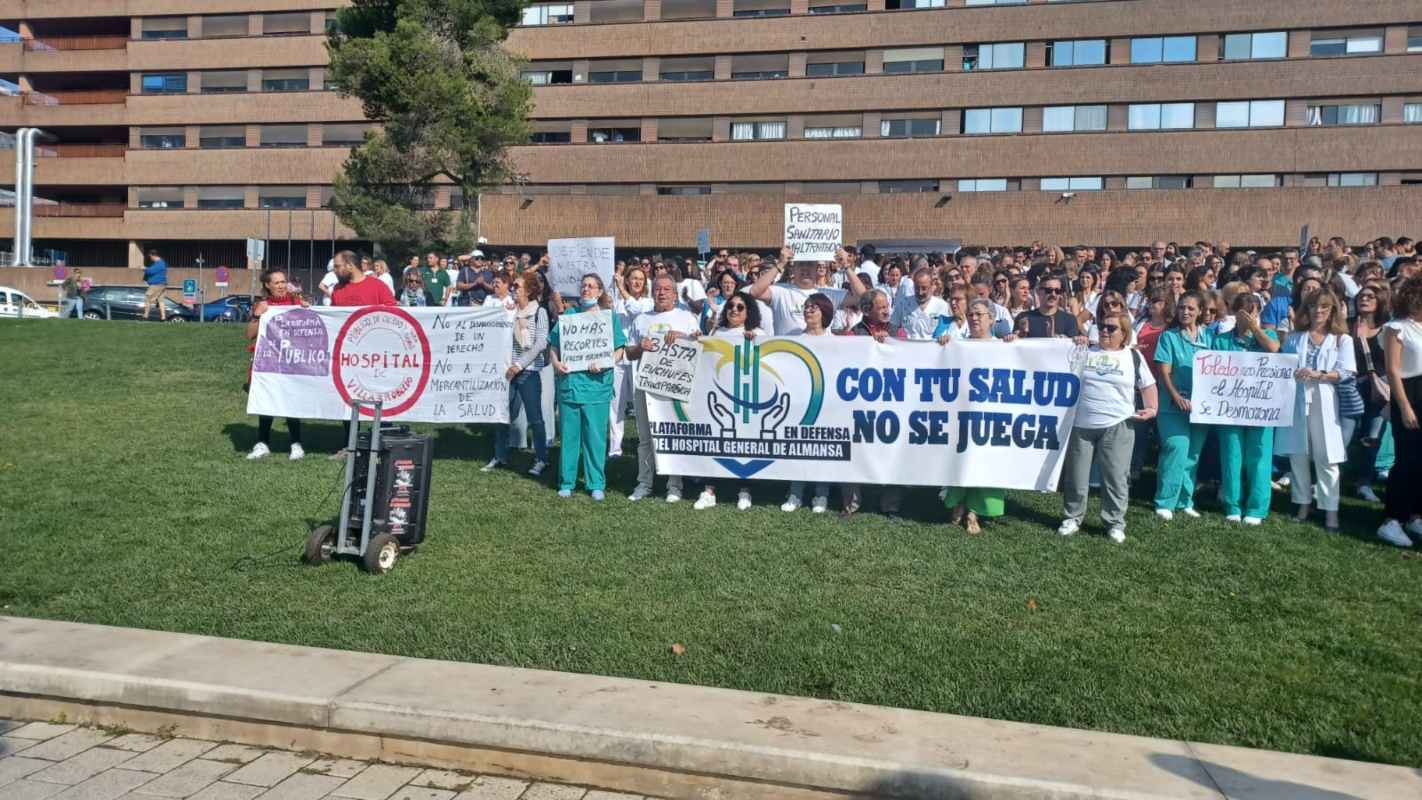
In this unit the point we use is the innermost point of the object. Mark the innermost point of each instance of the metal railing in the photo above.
(55, 43)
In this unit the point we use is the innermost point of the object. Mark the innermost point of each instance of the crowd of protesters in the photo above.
(1352, 314)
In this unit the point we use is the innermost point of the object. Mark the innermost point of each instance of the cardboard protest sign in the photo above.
(670, 370)
(570, 259)
(813, 231)
(585, 339)
(1241, 388)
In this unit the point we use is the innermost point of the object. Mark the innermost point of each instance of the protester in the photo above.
(1402, 348)
(1103, 435)
(155, 275)
(877, 312)
(530, 341)
(414, 294)
(1325, 351)
(275, 292)
(819, 311)
(969, 505)
(739, 324)
(916, 316)
(1048, 319)
(1374, 305)
(474, 282)
(723, 286)
(1245, 451)
(652, 330)
(632, 299)
(72, 293)
(584, 399)
(787, 303)
(382, 272)
(1180, 441)
(435, 280)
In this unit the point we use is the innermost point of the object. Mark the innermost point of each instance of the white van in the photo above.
(13, 300)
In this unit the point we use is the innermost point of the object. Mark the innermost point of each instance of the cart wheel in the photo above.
(381, 553)
(320, 545)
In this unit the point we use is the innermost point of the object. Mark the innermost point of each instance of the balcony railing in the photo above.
(55, 43)
(81, 150)
(76, 98)
(88, 210)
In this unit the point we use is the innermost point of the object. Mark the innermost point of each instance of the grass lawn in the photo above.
(125, 500)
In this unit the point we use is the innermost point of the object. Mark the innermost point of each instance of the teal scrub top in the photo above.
(584, 387)
(1177, 351)
(1246, 344)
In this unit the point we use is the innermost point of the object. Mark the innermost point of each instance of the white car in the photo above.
(13, 300)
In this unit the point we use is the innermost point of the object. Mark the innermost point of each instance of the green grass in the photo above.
(125, 500)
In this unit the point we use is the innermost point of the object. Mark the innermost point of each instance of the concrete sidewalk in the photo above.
(644, 738)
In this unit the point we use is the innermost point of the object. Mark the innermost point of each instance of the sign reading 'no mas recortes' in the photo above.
(570, 259)
(813, 232)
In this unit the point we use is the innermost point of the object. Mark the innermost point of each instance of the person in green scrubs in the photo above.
(584, 400)
(1246, 451)
(1180, 442)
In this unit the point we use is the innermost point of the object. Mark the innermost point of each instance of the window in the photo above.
(1250, 114)
(1073, 118)
(1253, 46)
(286, 80)
(917, 59)
(687, 69)
(286, 24)
(906, 5)
(1412, 113)
(909, 128)
(160, 197)
(223, 82)
(546, 73)
(281, 197)
(759, 67)
(1414, 39)
(821, 69)
(550, 137)
(1346, 43)
(1159, 182)
(221, 197)
(165, 27)
(992, 120)
(907, 187)
(996, 2)
(1003, 55)
(834, 132)
(165, 82)
(759, 12)
(615, 76)
(1162, 49)
(1160, 116)
(1071, 184)
(683, 191)
(215, 137)
(283, 136)
(162, 138)
(1345, 114)
(350, 134)
(615, 11)
(680, 130)
(548, 14)
(1080, 53)
(688, 9)
(987, 185)
(1352, 179)
(1246, 181)
(614, 135)
(747, 131)
(224, 26)
(840, 8)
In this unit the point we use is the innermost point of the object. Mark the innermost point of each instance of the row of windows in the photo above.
(229, 25)
(288, 79)
(216, 137)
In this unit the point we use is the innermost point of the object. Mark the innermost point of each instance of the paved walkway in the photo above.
(48, 761)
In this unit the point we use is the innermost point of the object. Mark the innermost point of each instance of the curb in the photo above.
(657, 738)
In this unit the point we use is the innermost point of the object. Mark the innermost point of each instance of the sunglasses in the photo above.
(735, 307)
(1049, 290)
(1110, 328)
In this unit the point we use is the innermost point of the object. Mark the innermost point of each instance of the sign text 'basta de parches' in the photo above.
(852, 410)
(813, 231)
(1232, 387)
(422, 364)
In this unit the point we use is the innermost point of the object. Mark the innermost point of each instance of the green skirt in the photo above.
(983, 502)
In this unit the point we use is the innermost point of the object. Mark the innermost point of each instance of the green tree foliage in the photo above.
(450, 101)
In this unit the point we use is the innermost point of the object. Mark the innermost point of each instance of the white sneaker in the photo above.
(297, 452)
(640, 493)
(1068, 527)
(743, 500)
(673, 496)
(1415, 527)
(260, 451)
(1392, 533)
(792, 503)
(537, 468)
(1253, 521)
(1366, 492)
(1117, 534)
(491, 466)
(1165, 514)
(1190, 512)
(705, 501)
(943, 494)
(819, 504)
(1234, 518)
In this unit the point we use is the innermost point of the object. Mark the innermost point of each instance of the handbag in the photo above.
(1378, 388)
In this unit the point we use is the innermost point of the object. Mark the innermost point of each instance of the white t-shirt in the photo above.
(918, 321)
(691, 290)
(1409, 335)
(328, 283)
(628, 309)
(871, 269)
(508, 304)
(1108, 387)
(787, 306)
(388, 281)
(736, 333)
(656, 324)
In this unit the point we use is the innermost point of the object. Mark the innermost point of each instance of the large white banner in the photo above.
(570, 259)
(847, 409)
(1239, 388)
(424, 364)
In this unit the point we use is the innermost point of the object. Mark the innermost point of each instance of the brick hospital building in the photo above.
(193, 125)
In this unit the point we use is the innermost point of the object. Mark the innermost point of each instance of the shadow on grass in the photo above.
(1235, 783)
(318, 437)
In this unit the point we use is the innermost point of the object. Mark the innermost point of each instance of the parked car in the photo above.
(232, 308)
(126, 302)
(13, 301)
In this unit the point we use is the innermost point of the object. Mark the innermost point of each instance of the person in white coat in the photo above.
(1325, 352)
(632, 299)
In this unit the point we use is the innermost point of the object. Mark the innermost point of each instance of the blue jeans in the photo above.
(72, 305)
(526, 389)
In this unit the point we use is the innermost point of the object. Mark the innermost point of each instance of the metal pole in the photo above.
(20, 190)
(201, 311)
(311, 250)
(29, 199)
(290, 214)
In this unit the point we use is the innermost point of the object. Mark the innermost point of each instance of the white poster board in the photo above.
(813, 231)
(1242, 388)
(670, 370)
(570, 259)
(585, 340)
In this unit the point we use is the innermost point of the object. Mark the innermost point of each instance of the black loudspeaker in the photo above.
(402, 484)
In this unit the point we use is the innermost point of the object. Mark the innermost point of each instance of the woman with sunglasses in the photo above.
(1374, 304)
(1180, 441)
(584, 399)
(414, 293)
(740, 324)
(819, 313)
(1246, 452)
(1103, 435)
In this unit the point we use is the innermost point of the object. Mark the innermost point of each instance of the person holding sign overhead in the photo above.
(787, 303)
(585, 397)
(1180, 442)
(1246, 451)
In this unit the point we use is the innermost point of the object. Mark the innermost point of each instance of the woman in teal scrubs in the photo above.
(1180, 442)
(1246, 451)
(584, 399)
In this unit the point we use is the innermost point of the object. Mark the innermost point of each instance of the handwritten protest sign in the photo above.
(570, 259)
(670, 371)
(813, 231)
(585, 339)
(1238, 388)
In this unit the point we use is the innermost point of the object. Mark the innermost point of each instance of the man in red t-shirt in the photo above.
(354, 288)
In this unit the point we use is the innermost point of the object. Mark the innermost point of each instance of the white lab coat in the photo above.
(1335, 354)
